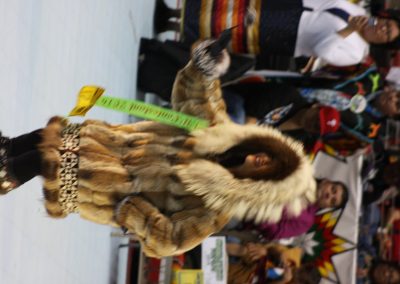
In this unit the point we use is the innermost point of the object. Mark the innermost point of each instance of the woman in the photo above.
(335, 31)
(170, 188)
(329, 194)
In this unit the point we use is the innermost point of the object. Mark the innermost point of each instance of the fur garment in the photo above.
(162, 184)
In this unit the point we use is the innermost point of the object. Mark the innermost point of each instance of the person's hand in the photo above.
(287, 274)
(357, 23)
(255, 251)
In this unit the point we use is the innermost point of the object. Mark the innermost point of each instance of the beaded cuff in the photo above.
(69, 152)
(7, 183)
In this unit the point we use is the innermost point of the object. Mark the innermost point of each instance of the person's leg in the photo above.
(19, 159)
(173, 26)
(162, 16)
(25, 166)
(15, 171)
(24, 143)
(175, 13)
(166, 11)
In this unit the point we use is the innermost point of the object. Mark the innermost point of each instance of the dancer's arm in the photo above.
(161, 235)
(197, 89)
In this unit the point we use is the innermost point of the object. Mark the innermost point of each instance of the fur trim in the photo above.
(261, 200)
(51, 141)
(193, 94)
(212, 68)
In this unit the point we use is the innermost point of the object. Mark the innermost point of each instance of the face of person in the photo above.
(389, 102)
(329, 194)
(386, 274)
(254, 164)
(384, 31)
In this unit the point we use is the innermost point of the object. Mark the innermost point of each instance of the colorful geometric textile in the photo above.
(273, 25)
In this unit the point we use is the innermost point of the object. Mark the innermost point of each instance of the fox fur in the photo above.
(158, 182)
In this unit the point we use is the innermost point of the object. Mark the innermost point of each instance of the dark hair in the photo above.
(307, 273)
(375, 266)
(389, 14)
(284, 161)
(345, 195)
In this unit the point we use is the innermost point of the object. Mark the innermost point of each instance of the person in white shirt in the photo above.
(329, 37)
(336, 31)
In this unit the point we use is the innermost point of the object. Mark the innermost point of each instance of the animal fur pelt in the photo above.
(261, 200)
(163, 184)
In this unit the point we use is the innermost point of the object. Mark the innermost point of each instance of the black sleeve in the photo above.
(261, 98)
(362, 126)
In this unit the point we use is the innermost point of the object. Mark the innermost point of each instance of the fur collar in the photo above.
(246, 198)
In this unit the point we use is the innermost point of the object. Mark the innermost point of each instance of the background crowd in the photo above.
(334, 94)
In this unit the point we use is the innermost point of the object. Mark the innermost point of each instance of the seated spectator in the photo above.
(330, 194)
(259, 263)
(282, 101)
(339, 32)
(294, 109)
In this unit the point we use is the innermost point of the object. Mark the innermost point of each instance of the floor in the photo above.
(49, 50)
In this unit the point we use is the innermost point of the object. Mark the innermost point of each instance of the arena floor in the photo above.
(49, 50)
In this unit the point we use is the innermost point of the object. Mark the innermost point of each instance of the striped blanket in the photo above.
(262, 25)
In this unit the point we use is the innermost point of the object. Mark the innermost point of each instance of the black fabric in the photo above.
(308, 139)
(279, 23)
(362, 84)
(23, 161)
(361, 123)
(339, 13)
(191, 27)
(261, 98)
(163, 60)
(304, 81)
(279, 26)
(345, 81)
(158, 69)
(25, 143)
(280, 62)
(25, 166)
(377, 185)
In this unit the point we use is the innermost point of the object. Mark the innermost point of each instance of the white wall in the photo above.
(49, 49)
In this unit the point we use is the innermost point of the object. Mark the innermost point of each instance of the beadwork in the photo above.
(6, 181)
(69, 168)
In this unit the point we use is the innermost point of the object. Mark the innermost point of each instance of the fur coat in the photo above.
(158, 181)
